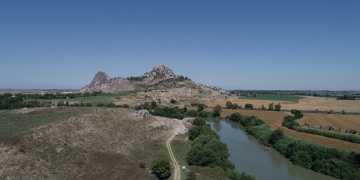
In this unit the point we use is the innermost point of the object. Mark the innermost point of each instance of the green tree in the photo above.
(199, 122)
(236, 117)
(228, 105)
(200, 107)
(263, 107)
(217, 111)
(153, 105)
(61, 103)
(275, 136)
(249, 106)
(297, 114)
(235, 106)
(271, 106)
(161, 168)
(277, 107)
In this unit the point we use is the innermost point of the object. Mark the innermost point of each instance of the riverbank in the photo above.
(334, 162)
(248, 155)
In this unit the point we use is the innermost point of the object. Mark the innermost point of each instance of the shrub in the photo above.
(276, 136)
(249, 106)
(217, 111)
(236, 117)
(297, 114)
(199, 122)
(142, 164)
(161, 168)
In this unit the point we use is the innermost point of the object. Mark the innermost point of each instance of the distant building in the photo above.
(67, 92)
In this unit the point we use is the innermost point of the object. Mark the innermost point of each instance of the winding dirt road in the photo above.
(177, 174)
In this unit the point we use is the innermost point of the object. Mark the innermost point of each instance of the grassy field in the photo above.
(102, 98)
(274, 120)
(275, 97)
(181, 146)
(16, 124)
(79, 143)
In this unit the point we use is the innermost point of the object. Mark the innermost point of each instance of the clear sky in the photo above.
(234, 44)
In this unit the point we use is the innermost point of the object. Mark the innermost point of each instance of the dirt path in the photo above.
(177, 174)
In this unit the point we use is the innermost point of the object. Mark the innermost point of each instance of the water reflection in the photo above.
(217, 125)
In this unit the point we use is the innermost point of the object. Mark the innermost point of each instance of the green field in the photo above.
(275, 97)
(14, 124)
(102, 98)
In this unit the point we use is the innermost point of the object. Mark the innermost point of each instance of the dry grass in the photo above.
(338, 121)
(102, 144)
(308, 103)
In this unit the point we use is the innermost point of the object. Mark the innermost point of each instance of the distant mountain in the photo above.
(161, 77)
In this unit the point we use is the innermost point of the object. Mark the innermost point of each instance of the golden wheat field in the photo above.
(307, 103)
(338, 121)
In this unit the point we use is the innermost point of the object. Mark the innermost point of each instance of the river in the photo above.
(252, 158)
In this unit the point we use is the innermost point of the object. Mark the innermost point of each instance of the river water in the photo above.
(252, 158)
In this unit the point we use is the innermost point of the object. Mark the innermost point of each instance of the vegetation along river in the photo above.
(253, 158)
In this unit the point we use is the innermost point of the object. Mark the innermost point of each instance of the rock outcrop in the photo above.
(141, 114)
(102, 82)
(161, 76)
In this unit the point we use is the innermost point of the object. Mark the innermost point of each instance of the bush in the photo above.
(142, 164)
(236, 117)
(205, 114)
(251, 121)
(217, 111)
(297, 114)
(276, 136)
(235, 175)
(172, 101)
(289, 122)
(199, 122)
(191, 113)
(249, 106)
(161, 168)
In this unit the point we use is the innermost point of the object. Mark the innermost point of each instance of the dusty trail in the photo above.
(177, 175)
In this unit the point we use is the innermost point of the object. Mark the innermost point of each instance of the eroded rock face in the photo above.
(141, 114)
(102, 82)
(161, 76)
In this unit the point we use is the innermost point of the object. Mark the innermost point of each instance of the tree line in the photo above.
(271, 106)
(8, 101)
(178, 113)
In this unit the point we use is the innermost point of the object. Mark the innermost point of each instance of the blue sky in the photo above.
(301, 44)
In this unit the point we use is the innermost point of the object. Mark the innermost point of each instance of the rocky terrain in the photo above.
(160, 77)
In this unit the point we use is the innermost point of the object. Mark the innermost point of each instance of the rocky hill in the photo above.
(160, 76)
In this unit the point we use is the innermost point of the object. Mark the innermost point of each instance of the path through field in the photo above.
(177, 175)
